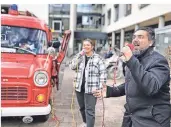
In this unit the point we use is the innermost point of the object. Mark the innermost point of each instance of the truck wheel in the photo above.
(42, 118)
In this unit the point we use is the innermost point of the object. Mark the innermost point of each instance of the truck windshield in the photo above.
(13, 39)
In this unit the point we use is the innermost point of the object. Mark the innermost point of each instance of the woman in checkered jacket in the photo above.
(90, 76)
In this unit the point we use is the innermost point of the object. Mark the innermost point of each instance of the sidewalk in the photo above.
(113, 106)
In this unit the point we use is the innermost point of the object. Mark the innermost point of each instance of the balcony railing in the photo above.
(88, 28)
(89, 8)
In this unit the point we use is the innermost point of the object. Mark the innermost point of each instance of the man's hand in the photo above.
(127, 53)
(100, 93)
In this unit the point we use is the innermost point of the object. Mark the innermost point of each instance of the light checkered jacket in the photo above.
(95, 72)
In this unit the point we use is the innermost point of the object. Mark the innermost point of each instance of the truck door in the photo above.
(61, 55)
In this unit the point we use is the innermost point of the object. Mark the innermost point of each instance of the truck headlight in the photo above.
(41, 78)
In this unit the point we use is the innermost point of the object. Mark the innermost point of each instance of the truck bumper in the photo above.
(25, 111)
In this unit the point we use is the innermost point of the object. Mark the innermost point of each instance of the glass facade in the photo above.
(163, 43)
(88, 17)
(61, 9)
(89, 8)
(59, 16)
(88, 23)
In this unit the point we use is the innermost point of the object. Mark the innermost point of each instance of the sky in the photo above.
(40, 10)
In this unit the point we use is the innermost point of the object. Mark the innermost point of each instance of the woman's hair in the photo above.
(91, 42)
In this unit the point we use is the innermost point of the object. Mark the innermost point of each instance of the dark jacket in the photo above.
(147, 91)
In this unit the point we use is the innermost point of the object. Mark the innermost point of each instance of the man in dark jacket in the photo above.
(146, 84)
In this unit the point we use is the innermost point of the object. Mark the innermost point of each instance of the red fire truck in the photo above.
(27, 66)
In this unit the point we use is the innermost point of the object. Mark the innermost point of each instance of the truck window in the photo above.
(34, 40)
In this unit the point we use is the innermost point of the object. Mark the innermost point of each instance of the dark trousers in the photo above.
(87, 103)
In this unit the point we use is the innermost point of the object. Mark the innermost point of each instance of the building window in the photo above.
(103, 20)
(167, 23)
(128, 9)
(57, 26)
(117, 40)
(59, 9)
(116, 9)
(109, 16)
(142, 5)
(128, 35)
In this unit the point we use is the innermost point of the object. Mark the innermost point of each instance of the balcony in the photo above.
(59, 9)
(81, 27)
(89, 8)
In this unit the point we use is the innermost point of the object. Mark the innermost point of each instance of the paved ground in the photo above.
(113, 109)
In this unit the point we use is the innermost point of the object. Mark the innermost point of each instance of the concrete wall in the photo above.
(137, 15)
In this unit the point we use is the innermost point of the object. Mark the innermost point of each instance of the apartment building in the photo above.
(120, 20)
(84, 20)
(106, 23)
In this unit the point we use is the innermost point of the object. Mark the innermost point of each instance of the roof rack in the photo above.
(13, 10)
(27, 13)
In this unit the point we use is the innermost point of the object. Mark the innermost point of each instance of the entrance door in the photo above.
(163, 42)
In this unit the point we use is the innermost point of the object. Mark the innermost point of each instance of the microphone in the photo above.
(82, 53)
(131, 46)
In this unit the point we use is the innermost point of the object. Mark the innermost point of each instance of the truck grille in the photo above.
(14, 93)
